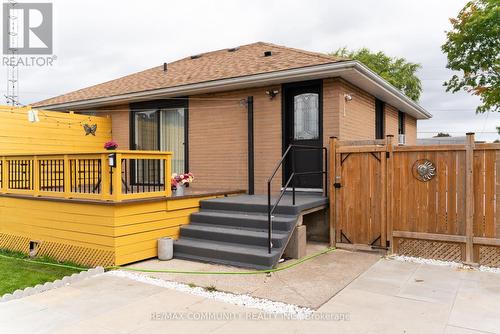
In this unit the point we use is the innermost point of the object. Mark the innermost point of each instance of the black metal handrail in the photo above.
(270, 209)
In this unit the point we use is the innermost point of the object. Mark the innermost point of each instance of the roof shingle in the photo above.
(222, 64)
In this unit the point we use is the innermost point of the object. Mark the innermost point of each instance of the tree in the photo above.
(397, 71)
(473, 47)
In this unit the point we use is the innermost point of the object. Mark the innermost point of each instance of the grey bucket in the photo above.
(165, 249)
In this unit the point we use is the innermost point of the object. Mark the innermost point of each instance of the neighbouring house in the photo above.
(229, 115)
(437, 140)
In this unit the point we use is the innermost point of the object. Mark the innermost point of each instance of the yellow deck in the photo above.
(93, 233)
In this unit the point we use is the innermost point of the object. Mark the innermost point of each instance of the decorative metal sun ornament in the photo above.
(424, 170)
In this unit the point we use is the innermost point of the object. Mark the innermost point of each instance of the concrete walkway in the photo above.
(332, 273)
(391, 297)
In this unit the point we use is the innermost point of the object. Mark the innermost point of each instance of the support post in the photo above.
(251, 185)
(469, 198)
(5, 176)
(116, 179)
(105, 178)
(389, 192)
(332, 191)
(168, 175)
(36, 173)
(67, 177)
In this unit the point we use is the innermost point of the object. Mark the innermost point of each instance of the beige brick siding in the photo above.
(391, 121)
(120, 118)
(357, 117)
(331, 107)
(218, 139)
(410, 130)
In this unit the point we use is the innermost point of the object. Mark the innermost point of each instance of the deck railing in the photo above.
(107, 176)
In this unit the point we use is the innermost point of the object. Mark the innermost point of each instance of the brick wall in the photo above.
(358, 120)
(410, 130)
(391, 121)
(218, 139)
(357, 117)
(120, 118)
(331, 109)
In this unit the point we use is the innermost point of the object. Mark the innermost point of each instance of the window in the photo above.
(146, 130)
(172, 136)
(401, 123)
(306, 113)
(379, 119)
(162, 129)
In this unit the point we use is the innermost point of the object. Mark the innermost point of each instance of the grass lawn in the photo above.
(16, 273)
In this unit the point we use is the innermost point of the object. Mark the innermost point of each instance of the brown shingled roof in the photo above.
(222, 64)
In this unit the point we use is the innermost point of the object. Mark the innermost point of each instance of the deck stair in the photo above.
(234, 230)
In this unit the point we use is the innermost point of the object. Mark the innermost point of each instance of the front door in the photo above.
(302, 126)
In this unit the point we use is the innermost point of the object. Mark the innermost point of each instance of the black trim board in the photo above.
(251, 171)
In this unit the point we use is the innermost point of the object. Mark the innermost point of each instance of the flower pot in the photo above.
(180, 190)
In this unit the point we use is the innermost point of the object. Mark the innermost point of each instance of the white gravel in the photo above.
(239, 300)
(443, 263)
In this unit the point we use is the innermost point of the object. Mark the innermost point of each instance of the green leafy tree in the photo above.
(397, 71)
(442, 134)
(473, 47)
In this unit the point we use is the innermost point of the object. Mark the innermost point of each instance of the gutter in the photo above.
(304, 73)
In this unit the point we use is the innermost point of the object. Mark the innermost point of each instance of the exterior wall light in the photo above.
(272, 93)
(112, 160)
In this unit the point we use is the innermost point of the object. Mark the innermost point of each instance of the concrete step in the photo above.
(258, 203)
(214, 204)
(244, 220)
(225, 253)
(236, 235)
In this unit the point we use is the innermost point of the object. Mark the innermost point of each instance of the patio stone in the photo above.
(477, 306)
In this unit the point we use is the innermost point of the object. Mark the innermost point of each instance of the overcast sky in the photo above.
(96, 41)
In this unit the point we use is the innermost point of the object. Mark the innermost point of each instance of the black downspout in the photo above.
(251, 189)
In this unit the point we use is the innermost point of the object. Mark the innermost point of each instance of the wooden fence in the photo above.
(436, 201)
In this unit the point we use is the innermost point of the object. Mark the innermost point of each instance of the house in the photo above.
(441, 140)
(255, 119)
(229, 115)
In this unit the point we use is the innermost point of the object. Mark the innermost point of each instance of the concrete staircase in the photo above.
(234, 231)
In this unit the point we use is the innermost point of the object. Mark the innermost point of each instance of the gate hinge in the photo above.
(337, 185)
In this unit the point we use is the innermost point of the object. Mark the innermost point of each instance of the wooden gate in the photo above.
(360, 173)
(435, 201)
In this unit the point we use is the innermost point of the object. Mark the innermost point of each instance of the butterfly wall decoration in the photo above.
(90, 129)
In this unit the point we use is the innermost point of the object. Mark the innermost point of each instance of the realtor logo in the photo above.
(27, 28)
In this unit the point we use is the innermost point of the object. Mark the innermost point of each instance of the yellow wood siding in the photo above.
(92, 233)
(55, 132)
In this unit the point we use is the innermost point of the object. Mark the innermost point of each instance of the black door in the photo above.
(303, 126)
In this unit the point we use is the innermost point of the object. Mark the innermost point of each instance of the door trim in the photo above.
(284, 89)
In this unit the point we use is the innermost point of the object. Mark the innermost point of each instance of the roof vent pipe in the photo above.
(164, 67)
(268, 53)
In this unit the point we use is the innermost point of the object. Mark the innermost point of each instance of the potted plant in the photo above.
(111, 145)
(179, 181)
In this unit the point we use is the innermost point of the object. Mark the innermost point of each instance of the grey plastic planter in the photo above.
(165, 249)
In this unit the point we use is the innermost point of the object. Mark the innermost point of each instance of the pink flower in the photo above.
(111, 145)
